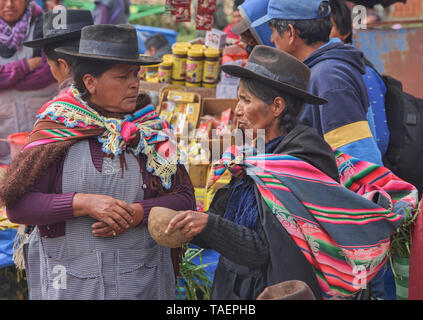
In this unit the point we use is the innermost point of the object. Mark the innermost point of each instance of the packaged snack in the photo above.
(192, 112)
(204, 130)
(168, 5)
(197, 154)
(181, 96)
(180, 126)
(215, 39)
(224, 126)
(206, 7)
(167, 110)
(182, 12)
(204, 22)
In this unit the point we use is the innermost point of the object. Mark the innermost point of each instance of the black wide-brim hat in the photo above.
(58, 29)
(106, 42)
(278, 69)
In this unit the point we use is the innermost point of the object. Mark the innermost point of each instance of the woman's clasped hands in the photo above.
(114, 216)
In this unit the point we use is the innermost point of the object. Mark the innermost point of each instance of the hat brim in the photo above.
(141, 60)
(40, 43)
(261, 21)
(240, 72)
(240, 27)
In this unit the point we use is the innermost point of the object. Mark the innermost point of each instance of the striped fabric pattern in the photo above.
(68, 117)
(343, 235)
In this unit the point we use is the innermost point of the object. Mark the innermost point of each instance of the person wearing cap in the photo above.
(259, 221)
(342, 29)
(302, 29)
(341, 16)
(251, 10)
(26, 82)
(54, 37)
(157, 46)
(94, 166)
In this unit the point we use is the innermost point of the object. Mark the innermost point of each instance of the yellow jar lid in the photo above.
(199, 47)
(180, 50)
(182, 45)
(167, 57)
(152, 66)
(212, 52)
(166, 63)
(195, 52)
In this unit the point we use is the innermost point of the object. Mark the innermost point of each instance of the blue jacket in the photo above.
(337, 75)
(377, 112)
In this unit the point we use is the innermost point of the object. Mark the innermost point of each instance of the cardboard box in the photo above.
(200, 198)
(199, 175)
(215, 39)
(215, 107)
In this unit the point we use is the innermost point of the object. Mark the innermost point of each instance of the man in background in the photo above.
(157, 46)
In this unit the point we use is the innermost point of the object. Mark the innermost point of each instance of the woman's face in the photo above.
(116, 90)
(253, 113)
(12, 10)
(59, 69)
(236, 17)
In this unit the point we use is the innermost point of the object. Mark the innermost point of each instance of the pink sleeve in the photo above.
(12, 72)
(40, 78)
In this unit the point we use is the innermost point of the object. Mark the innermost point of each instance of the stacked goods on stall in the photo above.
(203, 129)
(181, 109)
(195, 65)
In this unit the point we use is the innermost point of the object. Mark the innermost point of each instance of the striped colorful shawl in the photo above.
(68, 117)
(343, 235)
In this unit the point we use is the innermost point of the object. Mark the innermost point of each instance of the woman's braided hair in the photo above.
(268, 94)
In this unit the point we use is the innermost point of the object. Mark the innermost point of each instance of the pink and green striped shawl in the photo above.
(68, 117)
(344, 236)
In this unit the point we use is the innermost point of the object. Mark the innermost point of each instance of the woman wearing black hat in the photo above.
(93, 168)
(234, 226)
(284, 215)
(65, 36)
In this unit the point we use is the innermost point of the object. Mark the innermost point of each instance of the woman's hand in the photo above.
(191, 223)
(101, 229)
(33, 63)
(115, 213)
